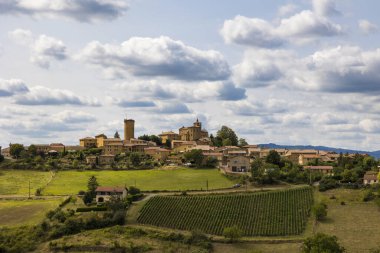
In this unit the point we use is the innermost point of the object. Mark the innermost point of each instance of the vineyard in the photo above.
(274, 213)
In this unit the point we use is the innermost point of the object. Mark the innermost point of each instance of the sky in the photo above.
(281, 71)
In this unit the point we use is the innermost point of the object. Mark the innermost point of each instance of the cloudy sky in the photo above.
(282, 71)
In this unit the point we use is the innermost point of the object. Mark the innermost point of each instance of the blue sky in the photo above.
(289, 72)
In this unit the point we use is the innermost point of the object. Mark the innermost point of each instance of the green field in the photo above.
(274, 213)
(25, 212)
(71, 182)
(356, 224)
(16, 182)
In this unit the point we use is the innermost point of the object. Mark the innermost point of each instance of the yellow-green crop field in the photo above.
(71, 182)
(16, 182)
(25, 212)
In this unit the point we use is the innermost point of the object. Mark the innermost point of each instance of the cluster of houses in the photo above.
(230, 159)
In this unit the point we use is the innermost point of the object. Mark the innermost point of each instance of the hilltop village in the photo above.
(191, 146)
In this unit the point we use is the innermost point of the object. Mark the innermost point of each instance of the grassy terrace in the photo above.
(25, 212)
(16, 182)
(70, 182)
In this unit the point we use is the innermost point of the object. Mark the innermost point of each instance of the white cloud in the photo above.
(248, 108)
(341, 69)
(325, 7)
(156, 57)
(44, 49)
(72, 117)
(40, 95)
(262, 67)
(302, 26)
(287, 9)
(367, 27)
(12, 87)
(79, 10)
(370, 125)
(172, 108)
(307, 24)
(183, 91)
(250, 31)
(21, 36)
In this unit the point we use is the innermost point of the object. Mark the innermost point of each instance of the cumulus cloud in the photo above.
(325, 7)
(132, 103)
(12, 87)
(341, 69)
(370, 125)
(40, 95)
(262, 67)
(184, 91)
(156, 57)
(73, 117)
(287, 9)
(79, 10)
(21, 36)
(44, 49)
(248, 108)
(172, 108)
(367, 27)
(250, 31)
(307, 24)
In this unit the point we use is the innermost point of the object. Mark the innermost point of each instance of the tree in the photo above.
(232, 233)
(152, 137)
(1, 158)
(257, 169)
(273, 157)
(320, 211)
(135, 158)
(242, 142)
(194, 156)
(227, 133)
(32, 149)
(92, 184)
(227, 142)
(16, 149)
(133, 190)
(116, 135)
(87, 198)
(322, 243)
(211, 162)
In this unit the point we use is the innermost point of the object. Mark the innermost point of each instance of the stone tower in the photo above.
(129, 129)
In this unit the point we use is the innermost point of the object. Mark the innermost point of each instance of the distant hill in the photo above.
(337, 150)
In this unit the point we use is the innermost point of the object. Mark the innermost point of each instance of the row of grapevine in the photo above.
(257, 214)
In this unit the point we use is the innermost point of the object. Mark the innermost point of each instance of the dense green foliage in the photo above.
(194, 156)
(266, 213)
(232, 233)
(153, 138)
(320, 211)
(16, 149)
(322, 243)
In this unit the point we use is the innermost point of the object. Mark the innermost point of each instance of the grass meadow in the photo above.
(16, 182)
(71, 182)
(25, 212)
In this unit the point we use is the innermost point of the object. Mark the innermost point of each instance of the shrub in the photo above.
(320, 211)
(232, 233)
(38, 192)
(322, 243)
(368, 196)
(133, 190)
(327, 184)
